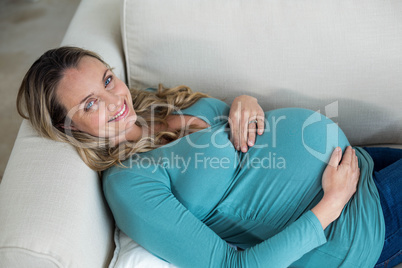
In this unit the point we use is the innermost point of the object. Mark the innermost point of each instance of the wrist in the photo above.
(326, 211)
(246, 97)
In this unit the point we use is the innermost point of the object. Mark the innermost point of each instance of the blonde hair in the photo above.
(37, 102)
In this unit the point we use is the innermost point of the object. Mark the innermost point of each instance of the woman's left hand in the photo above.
(246, 117)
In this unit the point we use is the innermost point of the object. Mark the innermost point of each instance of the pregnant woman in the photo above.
(186, 177)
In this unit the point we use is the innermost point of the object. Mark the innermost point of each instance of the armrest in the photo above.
(96, 27)
(52, 211)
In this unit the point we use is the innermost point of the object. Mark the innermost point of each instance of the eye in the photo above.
(108, 81)
(89, 105)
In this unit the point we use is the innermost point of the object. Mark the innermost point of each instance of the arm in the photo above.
(147, 211)
(243, 110)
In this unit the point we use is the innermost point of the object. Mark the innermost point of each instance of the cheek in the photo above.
(92, 124)
(98, 124)
(122, 87)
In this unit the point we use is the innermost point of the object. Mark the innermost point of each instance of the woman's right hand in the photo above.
(339, 182)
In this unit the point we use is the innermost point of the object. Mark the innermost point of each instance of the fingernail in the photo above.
(250, 143)
(260, 131)
(244, 149)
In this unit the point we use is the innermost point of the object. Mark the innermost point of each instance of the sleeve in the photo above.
(147, 211)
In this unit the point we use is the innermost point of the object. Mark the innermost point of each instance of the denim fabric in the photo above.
(388, 178)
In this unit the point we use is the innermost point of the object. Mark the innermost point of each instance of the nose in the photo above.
(112, 101)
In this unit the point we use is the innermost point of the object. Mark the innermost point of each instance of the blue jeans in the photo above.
(388, 178)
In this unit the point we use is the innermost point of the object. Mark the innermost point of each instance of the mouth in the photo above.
(120, 114)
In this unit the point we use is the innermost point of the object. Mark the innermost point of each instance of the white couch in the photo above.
(343, 58)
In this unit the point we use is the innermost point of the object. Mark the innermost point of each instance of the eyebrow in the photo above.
(87, 97)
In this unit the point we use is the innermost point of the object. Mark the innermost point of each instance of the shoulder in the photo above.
(212, 102)
(207, 108)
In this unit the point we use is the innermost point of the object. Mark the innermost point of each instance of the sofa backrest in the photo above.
(343, 58)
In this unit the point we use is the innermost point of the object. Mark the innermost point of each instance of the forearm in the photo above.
(286, 247)
(326, 212)
(147, 212)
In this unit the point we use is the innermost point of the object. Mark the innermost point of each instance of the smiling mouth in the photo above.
(121, 114)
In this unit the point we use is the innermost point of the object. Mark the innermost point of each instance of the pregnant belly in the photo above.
(279, 178)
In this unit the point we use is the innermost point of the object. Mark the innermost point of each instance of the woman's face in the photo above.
(98, 102)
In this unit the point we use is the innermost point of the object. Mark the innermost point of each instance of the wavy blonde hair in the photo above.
(37, 102)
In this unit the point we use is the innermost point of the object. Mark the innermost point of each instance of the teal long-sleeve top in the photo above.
(185, 201)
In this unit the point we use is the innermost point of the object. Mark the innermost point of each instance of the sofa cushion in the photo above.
(340, 57)
(53, 213)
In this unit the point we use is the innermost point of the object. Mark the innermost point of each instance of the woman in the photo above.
(178, 186)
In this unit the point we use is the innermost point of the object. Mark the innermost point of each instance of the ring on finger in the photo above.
(255, 121)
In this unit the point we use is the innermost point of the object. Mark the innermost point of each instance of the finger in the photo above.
(244, 134)
(251, 134)
(335, 157)
(261, 123)
(357, 162)
(237, 141)
(243, 131)
(347, 156)
(357, 171)
(354, 160)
